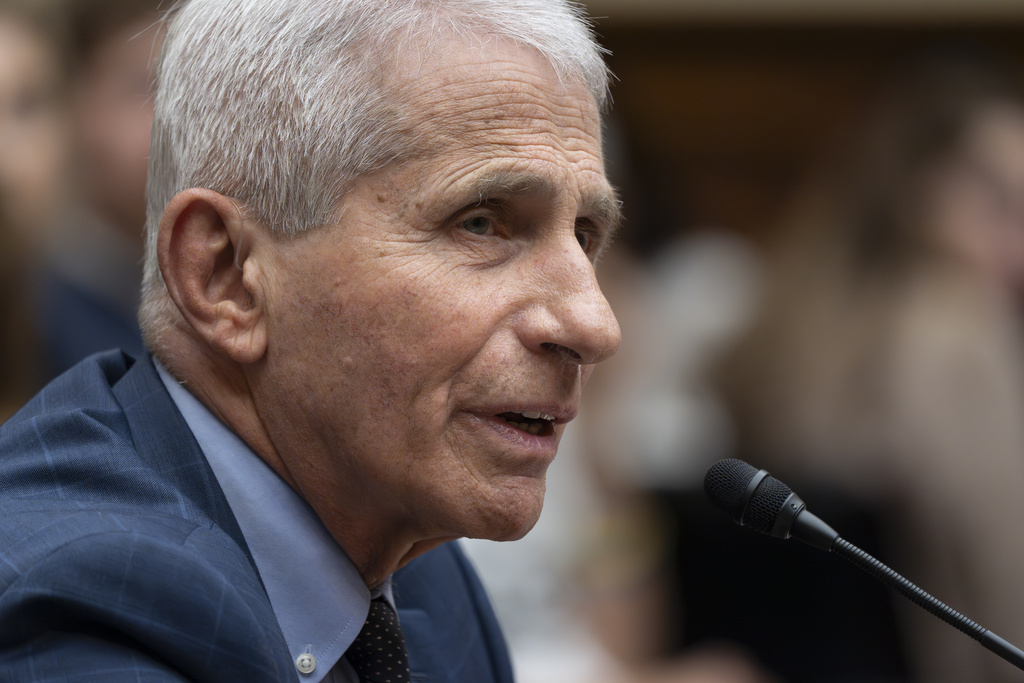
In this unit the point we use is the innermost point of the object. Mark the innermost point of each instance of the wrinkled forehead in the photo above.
(493, 121)
(492, 116)
(488, 87)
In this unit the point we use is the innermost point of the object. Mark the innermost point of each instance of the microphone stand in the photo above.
(926, 601)
(757, 500)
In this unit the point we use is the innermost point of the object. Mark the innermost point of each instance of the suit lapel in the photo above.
(166, 443)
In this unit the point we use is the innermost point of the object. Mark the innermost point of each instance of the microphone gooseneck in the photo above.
(755, 499)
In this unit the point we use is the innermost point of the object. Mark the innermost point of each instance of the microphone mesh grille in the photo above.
(765, 505)
(725, 484)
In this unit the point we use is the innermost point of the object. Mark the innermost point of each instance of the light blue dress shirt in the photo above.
(317, 594)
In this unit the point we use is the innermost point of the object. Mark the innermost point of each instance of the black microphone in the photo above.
(759, 501)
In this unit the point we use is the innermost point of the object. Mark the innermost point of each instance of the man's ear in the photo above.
(200, 233)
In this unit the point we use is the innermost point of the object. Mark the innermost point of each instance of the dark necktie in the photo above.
(378, 654)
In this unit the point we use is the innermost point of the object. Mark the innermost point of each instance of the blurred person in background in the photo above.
(33, 120)
(887, 355)
(33, 163)
(88, 290)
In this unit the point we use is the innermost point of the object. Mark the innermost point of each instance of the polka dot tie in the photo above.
(378, 654)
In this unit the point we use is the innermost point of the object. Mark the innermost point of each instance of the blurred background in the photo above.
(821, 272)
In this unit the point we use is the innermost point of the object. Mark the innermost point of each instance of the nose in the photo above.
(571, 317)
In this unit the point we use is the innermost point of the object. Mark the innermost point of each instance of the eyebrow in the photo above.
(602, 206)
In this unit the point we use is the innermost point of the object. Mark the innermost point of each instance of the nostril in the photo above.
(563, 352)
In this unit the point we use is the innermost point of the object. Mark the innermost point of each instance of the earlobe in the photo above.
(211, 275)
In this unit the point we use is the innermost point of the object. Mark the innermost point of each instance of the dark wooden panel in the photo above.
(717, 123)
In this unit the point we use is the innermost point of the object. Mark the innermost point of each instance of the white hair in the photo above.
(283, 104)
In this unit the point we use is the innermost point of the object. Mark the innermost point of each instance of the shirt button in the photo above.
(305, 663)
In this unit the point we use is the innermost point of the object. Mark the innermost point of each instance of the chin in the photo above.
(511, 518)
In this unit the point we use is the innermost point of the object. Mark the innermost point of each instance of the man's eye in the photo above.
(478, 225)
(585, 238)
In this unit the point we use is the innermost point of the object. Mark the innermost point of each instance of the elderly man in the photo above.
(371, 305)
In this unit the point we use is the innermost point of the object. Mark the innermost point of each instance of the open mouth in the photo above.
(531, 422)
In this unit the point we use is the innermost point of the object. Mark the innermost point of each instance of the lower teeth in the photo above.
(530, 427)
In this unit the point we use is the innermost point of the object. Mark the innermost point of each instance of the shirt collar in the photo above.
(317, 594)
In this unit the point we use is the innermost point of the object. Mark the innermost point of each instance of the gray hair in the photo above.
(283, 104)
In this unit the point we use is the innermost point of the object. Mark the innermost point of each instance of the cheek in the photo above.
(428, 320)
(389, 334)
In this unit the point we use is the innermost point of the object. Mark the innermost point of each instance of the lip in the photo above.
(536, 449)
(561, 412)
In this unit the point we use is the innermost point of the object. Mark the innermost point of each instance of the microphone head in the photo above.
(726, 484)
(765, 505)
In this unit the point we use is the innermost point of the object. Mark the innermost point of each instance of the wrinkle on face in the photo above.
(399, 333)
(485, 101)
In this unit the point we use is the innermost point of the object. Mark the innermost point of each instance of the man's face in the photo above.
(425, 354)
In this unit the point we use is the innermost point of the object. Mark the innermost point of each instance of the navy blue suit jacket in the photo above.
(121, 560)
